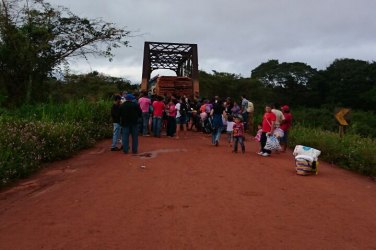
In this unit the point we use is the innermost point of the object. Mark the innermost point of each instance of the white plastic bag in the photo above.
(272, 143)
(278, 133)
(304, 150)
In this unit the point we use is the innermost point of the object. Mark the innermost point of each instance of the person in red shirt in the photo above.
(238, 134)
(285, 126)
(158, 107)
(268, 121)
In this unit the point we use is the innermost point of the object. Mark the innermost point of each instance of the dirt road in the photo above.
(190, 195)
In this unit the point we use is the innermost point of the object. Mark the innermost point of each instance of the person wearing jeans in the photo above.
(217, 122)
(157, 124)
(216, 135)
(115, 136)
(158, 107)
(129, 113)
(115, 114)
(130, 130)
(145, 123)
(238, 133)
(145, 103)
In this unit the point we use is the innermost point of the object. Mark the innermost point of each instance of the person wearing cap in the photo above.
(238, 134)
(130, 112)
(115, 114)
(123, 95)
(285, 126)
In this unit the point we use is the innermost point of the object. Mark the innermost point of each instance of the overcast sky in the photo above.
(235, 36)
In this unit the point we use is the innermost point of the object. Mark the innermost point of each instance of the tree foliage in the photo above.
(230, 85)
(346, 82)
(36, 38)
(91, 86)
(288, 80)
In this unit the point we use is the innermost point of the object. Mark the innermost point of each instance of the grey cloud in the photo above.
(236, 36)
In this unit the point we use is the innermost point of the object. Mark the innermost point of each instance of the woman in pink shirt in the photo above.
(171, 120)
(145, 103)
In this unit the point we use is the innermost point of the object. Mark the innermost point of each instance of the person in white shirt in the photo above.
(279, 116)
(229, 129)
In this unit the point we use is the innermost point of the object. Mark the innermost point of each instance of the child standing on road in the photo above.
(229, 129)
(259, 132)
(238, 133)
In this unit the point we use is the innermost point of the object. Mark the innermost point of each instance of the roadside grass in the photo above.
(33, 135)
(350, 152)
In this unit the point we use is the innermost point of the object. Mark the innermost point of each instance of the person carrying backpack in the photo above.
(243, 110)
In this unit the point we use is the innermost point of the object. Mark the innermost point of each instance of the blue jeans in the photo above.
(171, 126)
(216, 135)
(157, 124)
(115, 134)
(240, 140)
(132, 130)
(145, 122)
(245, 120)
(230, 138)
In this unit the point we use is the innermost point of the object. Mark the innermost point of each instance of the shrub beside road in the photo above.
(34, 135)
(351, 152)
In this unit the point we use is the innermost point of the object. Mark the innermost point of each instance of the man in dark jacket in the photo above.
(115, 114)
(130, 112)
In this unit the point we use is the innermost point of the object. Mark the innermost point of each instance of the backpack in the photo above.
(208, 108)
(250, 107)
(183, 109)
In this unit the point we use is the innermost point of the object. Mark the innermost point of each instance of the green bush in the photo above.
(351, 152)
(360, 122)
(33, 135)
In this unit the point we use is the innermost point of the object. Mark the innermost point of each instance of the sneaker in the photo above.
(115, 149)
(265, 154)
(260, 153)
(216, 143)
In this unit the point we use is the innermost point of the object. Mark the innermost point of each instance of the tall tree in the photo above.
(347, 82)
(288, 80)
(232, 85)
(90, 86)
(36, 38)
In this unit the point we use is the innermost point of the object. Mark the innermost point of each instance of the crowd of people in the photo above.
(150, 115)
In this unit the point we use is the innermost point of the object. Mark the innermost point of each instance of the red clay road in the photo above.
(190, 195)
